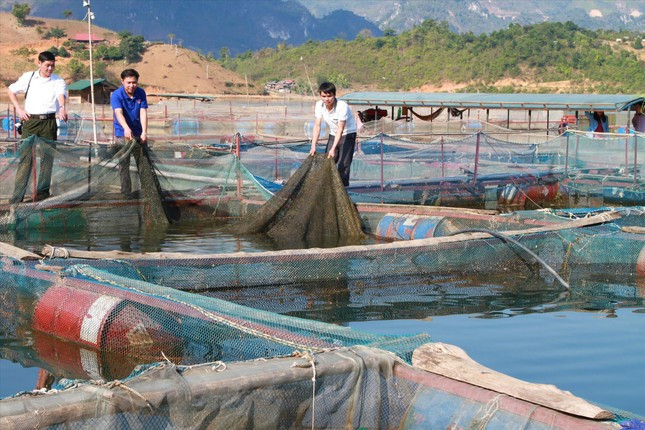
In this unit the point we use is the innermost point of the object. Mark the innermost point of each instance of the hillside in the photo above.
(546, 57)
(162, 67)
(209, 25)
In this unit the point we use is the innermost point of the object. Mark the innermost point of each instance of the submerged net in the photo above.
(88, 324)
(311, 210)
(564, 250)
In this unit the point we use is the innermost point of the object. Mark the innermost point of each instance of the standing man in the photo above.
(130, 107)
(342, 129)
(598, 121)
(638, 121)
(44, 96)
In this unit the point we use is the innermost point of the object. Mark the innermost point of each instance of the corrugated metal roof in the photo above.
(605, 102)
(202, 97)
(85, 83)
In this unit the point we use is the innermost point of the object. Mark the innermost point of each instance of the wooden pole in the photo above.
(477, 156)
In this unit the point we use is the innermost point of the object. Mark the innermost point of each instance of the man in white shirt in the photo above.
(342, 129)
(44, 96)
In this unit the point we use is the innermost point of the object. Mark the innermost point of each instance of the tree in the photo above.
(131, 46)
(67, 13)
(77, 70)
(388, 32)
(224, 54)
(20, 11)
(638, 43)
(366, 33)
(56, 33)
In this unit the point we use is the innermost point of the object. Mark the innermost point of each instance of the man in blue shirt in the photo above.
(130, 107)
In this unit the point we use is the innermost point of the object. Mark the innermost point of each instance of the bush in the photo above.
(23, 51)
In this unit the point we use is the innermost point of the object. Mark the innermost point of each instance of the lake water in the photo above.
(591, 343)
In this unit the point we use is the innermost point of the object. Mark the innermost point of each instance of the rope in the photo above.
(491, 407)
(505, 238)
(120, 384)
(311, 362)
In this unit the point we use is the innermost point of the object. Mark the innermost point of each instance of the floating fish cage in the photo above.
(141, 339)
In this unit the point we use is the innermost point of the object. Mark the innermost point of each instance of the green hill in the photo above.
(431, 54)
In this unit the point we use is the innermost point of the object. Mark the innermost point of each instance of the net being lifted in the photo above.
(311, 210)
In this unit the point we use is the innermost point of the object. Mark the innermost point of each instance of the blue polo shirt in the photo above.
(131, 110)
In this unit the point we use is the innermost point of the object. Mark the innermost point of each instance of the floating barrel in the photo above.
(542, 192)
(640, 264)
(105, 322)
(406, 227)
(517, 195)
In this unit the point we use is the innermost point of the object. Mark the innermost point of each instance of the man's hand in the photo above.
(332, 152)
(312, 151)
(62, 113)
(144, 137)
(22, 114)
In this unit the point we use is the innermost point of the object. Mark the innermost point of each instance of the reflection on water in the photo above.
(497, 296)
(202, 238)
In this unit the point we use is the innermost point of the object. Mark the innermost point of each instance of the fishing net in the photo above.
(135, 322)
(99, 183)
(564, 241)
(331, 376)
(479, 170)
(311, 210)
(355, 387)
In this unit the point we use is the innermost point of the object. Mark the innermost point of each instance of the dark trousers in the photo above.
(123, 149)
(45, 128)
(344, 154)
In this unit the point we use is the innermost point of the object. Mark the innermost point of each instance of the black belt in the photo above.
(42, 116)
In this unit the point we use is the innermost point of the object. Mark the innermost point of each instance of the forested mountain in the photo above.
(354, 55)
(241, 25)
(210, 25)
(588, 61)
(484, 16)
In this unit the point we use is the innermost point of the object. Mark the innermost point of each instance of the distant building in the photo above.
(82, 90)
(284, 86)
(85, 38)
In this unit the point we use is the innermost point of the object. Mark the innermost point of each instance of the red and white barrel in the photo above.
(105, 322)
(72, 314)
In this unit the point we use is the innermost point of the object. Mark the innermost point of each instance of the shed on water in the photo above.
(459, 102)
